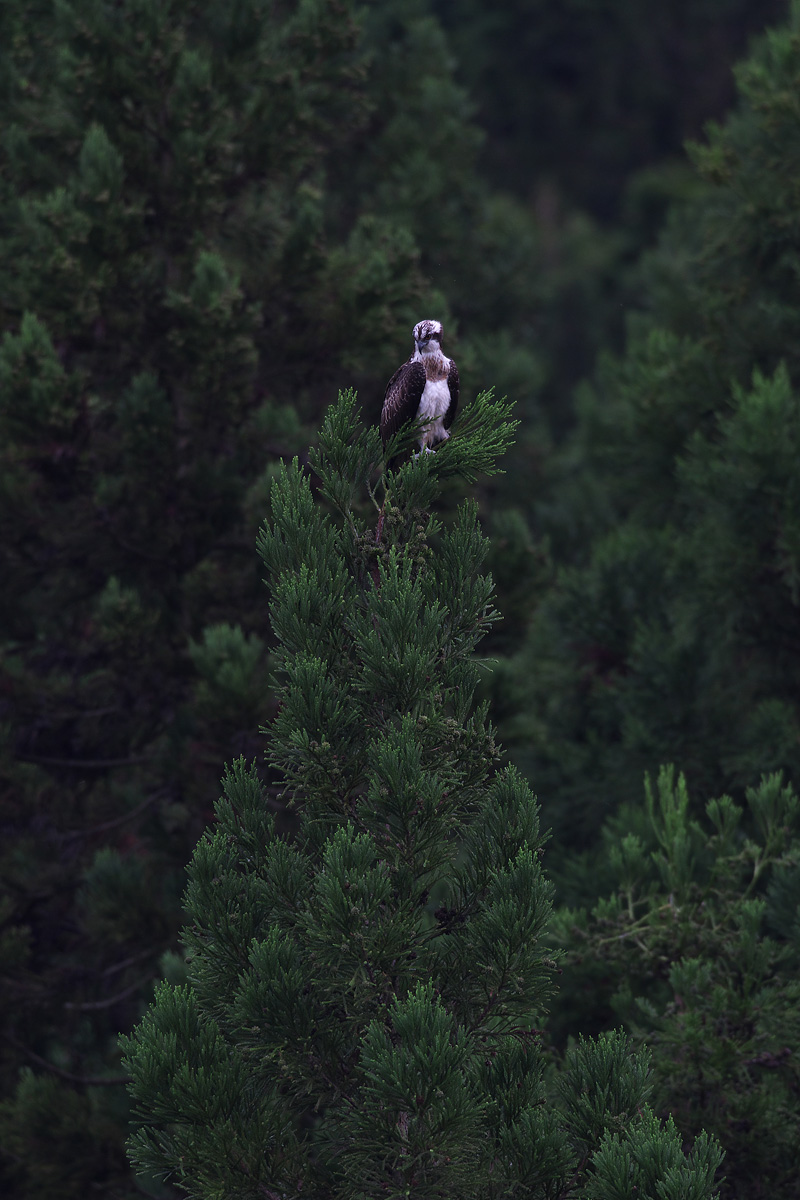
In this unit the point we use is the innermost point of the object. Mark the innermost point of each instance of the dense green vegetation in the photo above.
(362, 1008)
(213, 216)
(669, 632)
(694, 943)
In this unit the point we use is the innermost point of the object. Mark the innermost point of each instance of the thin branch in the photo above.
(94, 764)
(82, 714)
(579, 1170)
(127, 962)
(105, 826)
(109, 523)
(110, 1001)
(85, 1080)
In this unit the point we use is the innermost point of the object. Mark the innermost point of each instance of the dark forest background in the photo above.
(214, 215)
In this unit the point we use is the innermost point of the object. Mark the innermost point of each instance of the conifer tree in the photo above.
(694, 942)
(669, 633)
(174, 294)
(363, 1010)
(195, 237)
(609, 87)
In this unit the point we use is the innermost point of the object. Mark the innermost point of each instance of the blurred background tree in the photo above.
(586, 107)
(583, 95)
(669, 631)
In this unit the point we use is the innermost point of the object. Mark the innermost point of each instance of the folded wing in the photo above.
(403, 394)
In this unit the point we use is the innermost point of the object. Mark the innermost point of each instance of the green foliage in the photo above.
(694, 942)
(586, 108)
(67, 1129)
(117, 900)
(364, 998)
(603, 1088)
(667, 633)
(609, 89)
(208, 214)
(231, 665)
(650, 1162)
(183, 284)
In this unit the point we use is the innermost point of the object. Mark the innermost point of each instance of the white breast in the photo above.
(435, 399)
(432, 407)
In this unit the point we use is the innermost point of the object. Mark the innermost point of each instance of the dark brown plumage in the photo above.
(452, 383)
(403, 394)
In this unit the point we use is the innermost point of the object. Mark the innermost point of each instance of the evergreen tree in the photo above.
(694, 942)
(196, 235)
(362, 1014)
(585, 109)
(591, 98)
(669, 632)
(177, 294)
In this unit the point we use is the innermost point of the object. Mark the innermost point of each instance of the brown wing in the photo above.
(403, 394)
(452, 383)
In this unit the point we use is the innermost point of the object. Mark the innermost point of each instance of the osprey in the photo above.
(425, 388)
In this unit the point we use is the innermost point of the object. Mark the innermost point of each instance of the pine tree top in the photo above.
(364, 1005)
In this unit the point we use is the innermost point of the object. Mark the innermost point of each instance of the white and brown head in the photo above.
(428, 337)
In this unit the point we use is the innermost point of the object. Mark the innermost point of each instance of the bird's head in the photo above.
(428, 336)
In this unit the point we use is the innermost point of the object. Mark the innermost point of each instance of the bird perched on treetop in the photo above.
(425, 388)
